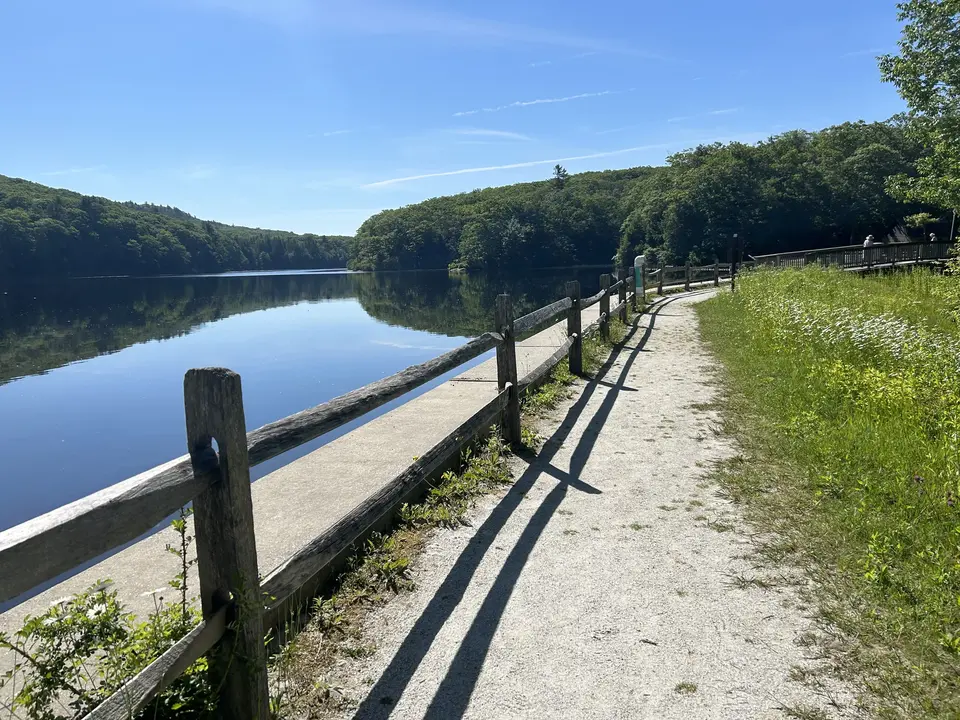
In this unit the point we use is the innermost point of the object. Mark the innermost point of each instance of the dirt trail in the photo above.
(608, 582)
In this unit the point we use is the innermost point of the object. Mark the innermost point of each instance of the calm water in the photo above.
(91, 370)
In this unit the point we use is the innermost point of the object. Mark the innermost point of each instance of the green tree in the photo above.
(560, 176)
(927, 75)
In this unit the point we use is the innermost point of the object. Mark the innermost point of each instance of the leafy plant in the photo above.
(84, 648)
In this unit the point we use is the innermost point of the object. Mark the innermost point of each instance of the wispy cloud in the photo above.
(498, 134)
(541, 101)
(861, 53)
(332, 133)
(611, 131)
(541, 63)
(74, 171)
(380, 17)
(199, 172)
(724, 111)
(680, 118)
(511, 166)
(585, 54)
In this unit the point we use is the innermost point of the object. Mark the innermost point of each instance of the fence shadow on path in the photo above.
(453, 694)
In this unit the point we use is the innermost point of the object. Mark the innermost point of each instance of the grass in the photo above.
(844, 396)
(685, 688)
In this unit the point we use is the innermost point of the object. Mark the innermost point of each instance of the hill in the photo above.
(47, 231)
(798, 190)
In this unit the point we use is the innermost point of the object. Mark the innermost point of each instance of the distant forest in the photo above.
(45, 231)
(795, 191)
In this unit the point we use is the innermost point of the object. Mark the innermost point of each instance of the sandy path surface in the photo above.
(604, 583)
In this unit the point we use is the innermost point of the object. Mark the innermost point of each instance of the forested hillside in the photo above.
(795, 191)
(45, 231)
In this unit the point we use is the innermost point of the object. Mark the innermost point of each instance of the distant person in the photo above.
(869, 241)
(933, 237)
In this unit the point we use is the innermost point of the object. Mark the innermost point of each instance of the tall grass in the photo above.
(845, 393)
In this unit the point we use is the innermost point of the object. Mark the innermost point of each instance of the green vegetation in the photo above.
(84, 648)
(45, 231)
(844, 394)
(795, 191)
(927, 75)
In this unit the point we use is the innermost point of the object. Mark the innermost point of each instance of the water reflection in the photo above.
(91, 371)
(48, 325)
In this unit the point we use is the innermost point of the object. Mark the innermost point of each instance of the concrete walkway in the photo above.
(607, 582)
(295, 503)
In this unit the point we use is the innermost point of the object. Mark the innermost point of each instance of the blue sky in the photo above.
(311, 115)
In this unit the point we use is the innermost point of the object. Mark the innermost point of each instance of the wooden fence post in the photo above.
(686, 281)
(573, 329)
(635, 282)
(507, 369)
(716, 274)
(226, 544)
(663, 271)
(605, 308)
(622, 295)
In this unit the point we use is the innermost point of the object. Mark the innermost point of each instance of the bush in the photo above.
(84, 648)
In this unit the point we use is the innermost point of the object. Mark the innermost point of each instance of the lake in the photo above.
(91, 370)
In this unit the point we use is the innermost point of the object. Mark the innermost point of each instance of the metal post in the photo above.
(639, 281)
(573, 329)
(663, 271)
(716, 273)
(507, 369)
(605, 308)
(622, 295)
(686, 281)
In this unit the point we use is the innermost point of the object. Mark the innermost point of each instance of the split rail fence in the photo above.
(217, 482)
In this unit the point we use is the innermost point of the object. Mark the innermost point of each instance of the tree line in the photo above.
(798, 190)
(46, 231)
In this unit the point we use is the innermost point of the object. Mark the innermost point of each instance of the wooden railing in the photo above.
(675, 275)
(235, 616)
(857, 257)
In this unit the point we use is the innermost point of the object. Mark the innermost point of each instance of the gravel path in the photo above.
(608, 582)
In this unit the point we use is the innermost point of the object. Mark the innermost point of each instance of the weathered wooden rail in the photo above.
(857, 257)
(237, 606)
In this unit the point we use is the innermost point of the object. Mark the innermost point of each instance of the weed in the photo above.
(377, 572)
(721, 526)
(685, 688)
(804, 712)
(639, 526)
(570, 531)
(84, 648)
(564, 512)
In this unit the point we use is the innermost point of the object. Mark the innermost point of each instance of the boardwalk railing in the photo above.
(217, 482)
(857, 257)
